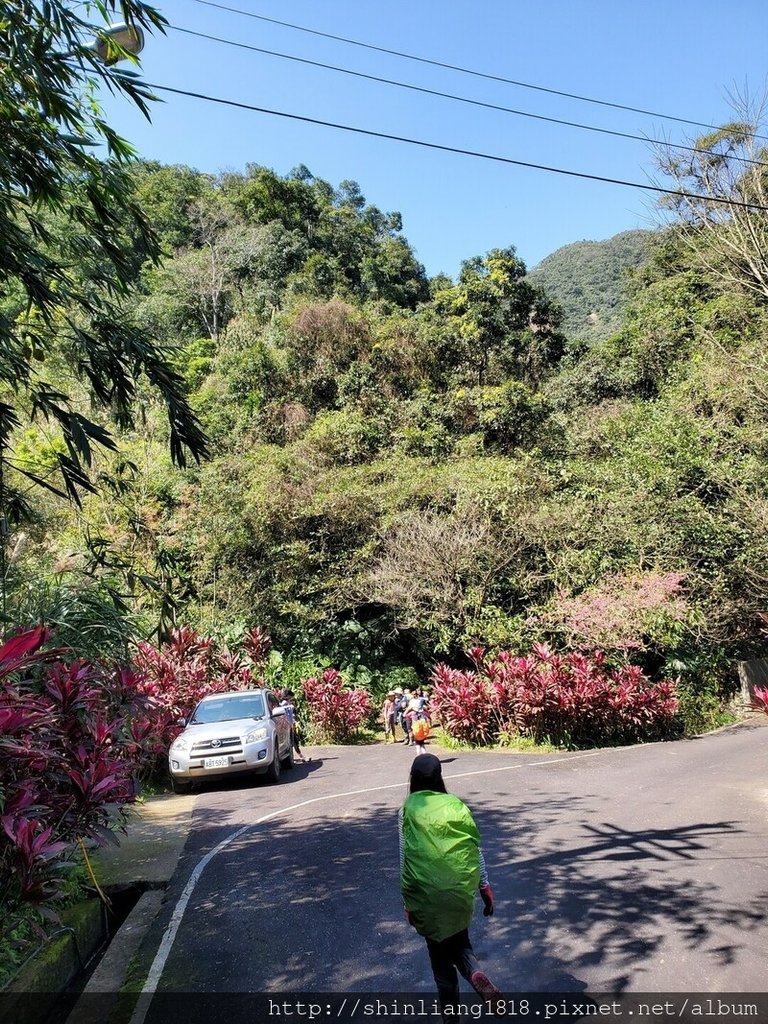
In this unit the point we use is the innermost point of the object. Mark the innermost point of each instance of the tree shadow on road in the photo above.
(613, 900)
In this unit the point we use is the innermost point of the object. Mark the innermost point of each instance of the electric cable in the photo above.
(463, 70)
(458, 99)
(455, 149)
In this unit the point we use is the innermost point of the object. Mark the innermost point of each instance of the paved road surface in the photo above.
(642, 869)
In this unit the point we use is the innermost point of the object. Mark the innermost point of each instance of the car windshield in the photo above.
(227, 709)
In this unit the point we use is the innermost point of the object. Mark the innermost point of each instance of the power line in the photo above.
(454, 149)
(453, 96)
(463, 70)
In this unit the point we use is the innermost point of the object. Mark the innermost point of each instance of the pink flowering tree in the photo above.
(571, 700)
(623, 613)
(336, 710)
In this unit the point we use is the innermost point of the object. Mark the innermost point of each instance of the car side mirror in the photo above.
(277, 712)
(182, 722)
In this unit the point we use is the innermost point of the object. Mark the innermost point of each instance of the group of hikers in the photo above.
(410, 710)
(405, 708)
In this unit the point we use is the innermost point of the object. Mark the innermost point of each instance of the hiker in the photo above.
(441, 866)
(418, 704)
(402, 699)
(290, 711)
(388, 714)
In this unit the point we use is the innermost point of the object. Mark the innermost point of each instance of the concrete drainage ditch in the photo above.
(73, 977)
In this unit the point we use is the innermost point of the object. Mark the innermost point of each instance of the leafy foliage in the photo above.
(721, 198)
(401, 469)
(76, 737)
(589, 280)
(175, 676)
(760, 699)
(70, 229)
(90, 619)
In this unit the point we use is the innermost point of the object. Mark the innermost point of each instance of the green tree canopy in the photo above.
(70, 227)
(502, 325)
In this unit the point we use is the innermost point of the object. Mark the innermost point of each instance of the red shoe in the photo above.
(491, 995)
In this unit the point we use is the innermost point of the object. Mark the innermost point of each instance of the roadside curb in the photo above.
(751, 718)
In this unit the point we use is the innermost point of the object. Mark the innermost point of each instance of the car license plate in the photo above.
(216, 762)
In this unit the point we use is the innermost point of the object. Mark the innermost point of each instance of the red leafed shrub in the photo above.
(68, 757)
(460, 701)
(572, 700)
(187, 667)
(335, 710)
(257, 645)
(76, 736)
(760, 700)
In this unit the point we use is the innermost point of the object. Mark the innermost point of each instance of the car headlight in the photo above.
(255, 735)
(182, 743)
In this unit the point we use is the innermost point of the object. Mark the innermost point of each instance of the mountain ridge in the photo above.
(588, 280)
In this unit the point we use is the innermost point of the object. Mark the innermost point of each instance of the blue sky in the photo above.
(679, 57)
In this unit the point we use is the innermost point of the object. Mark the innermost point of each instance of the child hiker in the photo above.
(419, 731)
(441, 867)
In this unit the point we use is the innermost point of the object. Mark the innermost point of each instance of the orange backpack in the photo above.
(420, 730)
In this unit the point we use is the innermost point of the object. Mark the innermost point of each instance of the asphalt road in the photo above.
(641, 869)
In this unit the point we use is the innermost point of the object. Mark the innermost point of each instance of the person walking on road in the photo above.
(419, 732)
(441, 867)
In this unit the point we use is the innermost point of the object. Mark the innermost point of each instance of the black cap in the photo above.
(427, 773)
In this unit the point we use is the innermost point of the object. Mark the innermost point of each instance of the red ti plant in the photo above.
(34, 848)
(68, 760)
(570, 700)
(257, 645)
(335, 710)
(184, 669)
(759, 701)
(462, 703)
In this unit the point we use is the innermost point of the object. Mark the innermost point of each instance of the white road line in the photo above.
(166, 944)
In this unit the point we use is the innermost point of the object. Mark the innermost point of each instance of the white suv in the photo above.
(231, 733)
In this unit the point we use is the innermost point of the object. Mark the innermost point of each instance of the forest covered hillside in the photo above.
(590, 281)
(246, 439)
(399, 468)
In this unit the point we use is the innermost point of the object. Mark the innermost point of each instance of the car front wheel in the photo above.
(180, 787)
(273, 772)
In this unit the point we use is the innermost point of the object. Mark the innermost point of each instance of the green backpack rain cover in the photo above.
(441, 870)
